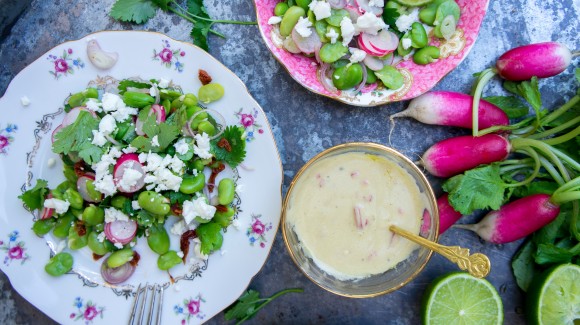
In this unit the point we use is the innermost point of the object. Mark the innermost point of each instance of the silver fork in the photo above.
(153, 305)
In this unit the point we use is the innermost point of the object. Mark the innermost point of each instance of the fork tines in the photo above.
(148, 298)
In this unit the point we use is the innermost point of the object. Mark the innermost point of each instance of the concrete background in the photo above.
(305, 124)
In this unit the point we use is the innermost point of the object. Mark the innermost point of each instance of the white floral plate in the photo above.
(201, 289)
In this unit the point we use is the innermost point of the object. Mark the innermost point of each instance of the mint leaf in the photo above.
(34, 198)
(511, 105)
(237, 146)
(126, 83)
(479, 188)
(137, 11)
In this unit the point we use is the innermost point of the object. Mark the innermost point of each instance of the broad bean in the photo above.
(137, 99)
(280, 9)
(168, 94)
(168, 260)
(158, 239)
(120, 257)
(206, 127)
(224, 218)
(98, 247)
(42, 227)
(59, 264)
(153, 202)
(76, 241)
(428, 12)
(63, 224)
(303, 3)
(166, 103)
(391, 77)
(426, 55)
(62, 187)
(290, 19)
(320, 28)
(226, 191)
(371, 77)
(330, 53)
(347, 76)
(192, 184)
(418, 35)
(119, 201)
(210, 93)
(336, 16)
(93, 215)
(74, 198)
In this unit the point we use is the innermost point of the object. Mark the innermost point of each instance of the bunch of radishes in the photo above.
(499, 158)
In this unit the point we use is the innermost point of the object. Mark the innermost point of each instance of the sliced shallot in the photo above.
(116, 275)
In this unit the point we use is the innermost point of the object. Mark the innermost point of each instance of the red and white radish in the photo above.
(82, 188)
(381, 44)
(364, 6)
(53, 136)
(541, 60)
(353, 12)
(120, 231)
(307, 45)
(73, 114)
(452, 109)
(447, 214)
(116, 275)
(373, 62)
(159, 112)
(337, 4)
(128, 173)
(46, 213)
(456, 155)
(516, 219)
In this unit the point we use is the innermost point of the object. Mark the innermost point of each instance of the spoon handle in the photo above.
(477, 264)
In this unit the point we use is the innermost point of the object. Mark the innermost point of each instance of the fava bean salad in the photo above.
(132, 158)
(358, 43)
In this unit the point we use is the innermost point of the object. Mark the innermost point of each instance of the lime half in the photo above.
(459, 298)
(414, 3)
(554, 297)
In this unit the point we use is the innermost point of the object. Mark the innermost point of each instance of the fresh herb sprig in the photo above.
(250, 303)
(140, 11)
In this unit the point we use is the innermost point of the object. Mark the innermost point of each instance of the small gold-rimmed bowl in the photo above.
(304, 248)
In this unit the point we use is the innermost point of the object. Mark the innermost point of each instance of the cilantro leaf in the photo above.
(523, 265)
(199, 33)
(178, 197)
(167, 134)
(196, 7)
(550, 253)
(530, 91)
(77, 137)
(250, 303)
(210, 236)
(577, 74)
(479, 188)
(233, 135)
(137, 11)
(142, 144)
(511, 105)
(126, 83)
(163, 4)
(34, 198)
(390, 16)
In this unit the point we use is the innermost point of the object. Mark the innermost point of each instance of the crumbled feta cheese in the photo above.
(181, 146)
(135, 205)
(333, 35)
(124, 112)
(180, 254)
(59, 206)
(274, 20)
(356, 55)
(404, 22)
(155, 141)
(176, 165)
(236, 224)
(303, 27)
(197, 208)
(321, 9)
(119, 245)
(197, 250)
(101, 237)
(347, 30)
(154, 91)
(24, 101)
(370, 24)
(107, 125)
(98, 138)
(159, 173)
(201, 147)
(110, 102)
(129, 149)
(105, 185)
(132, 244)
(406, 42)
(51, 162)
(240, 188)
(94, 105)
(163, 83)
(223, 252)
(179, 228)
(130, 178)
(112, 215)
(377, 3)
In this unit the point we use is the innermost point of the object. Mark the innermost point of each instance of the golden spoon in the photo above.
(477, 264)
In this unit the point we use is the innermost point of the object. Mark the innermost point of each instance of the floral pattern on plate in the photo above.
(190, 308)
(6, 137)
(257, 231)
(169, 57)
(15, 250)
(248, 121)
(86, 311)
(64, 65)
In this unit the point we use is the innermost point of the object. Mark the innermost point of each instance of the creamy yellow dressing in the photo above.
(341, 209)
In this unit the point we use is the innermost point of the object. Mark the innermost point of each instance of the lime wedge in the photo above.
(554, 297)
(459, 298)
(413, 3)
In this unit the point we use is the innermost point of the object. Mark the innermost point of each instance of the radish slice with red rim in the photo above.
(364, 6)
(73, 114)
(120, 231)
(353, 12)
(47, 212)
(373, 63)
(82, 188)
(58, 128)
(128, 173)
(159, 112)
(116, 275)
(337, 4)
(384, 41)
(307, 45)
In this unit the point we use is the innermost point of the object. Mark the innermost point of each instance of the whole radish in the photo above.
(516, 219)
(452, 109)
(540, 60)
(452, 156)
(447, 214)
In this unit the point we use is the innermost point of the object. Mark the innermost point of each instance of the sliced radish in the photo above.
(128, 173)
(159, 112)
(307, 45)
(47, 212)
(353, 12)
(337, 4)
(82, 188)
(373, 63)
(364, 44)
(72, 115)
(58, 128)
(364, 6)
(120, 231)
(384, 41)
(116, 275)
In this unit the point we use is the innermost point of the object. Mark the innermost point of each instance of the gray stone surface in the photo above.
(304, 124)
